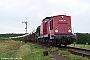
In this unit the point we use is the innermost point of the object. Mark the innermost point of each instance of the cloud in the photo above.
(13, 12)
(10, 29)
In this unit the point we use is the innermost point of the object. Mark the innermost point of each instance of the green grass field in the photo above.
(80, 46)
(4, 38)
(10, 49)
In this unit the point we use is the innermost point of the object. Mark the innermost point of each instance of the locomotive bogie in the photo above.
(57, 39)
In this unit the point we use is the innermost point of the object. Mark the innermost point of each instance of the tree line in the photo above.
(83, 38)
(11, 35)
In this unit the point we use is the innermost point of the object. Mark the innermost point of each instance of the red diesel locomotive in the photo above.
(56, 30)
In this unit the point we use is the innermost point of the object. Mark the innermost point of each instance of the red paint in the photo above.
(60, 22)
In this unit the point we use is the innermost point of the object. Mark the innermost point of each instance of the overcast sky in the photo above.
(13, 12)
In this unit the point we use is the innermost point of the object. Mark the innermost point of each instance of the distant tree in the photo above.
(82, 38)
(38, 31)
(89, 39)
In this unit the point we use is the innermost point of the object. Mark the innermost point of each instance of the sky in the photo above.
(13, 12)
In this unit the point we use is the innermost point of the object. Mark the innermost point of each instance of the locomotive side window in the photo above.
(51, 24)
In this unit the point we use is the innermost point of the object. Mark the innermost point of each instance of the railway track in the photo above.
(73, 50)
(79, 51)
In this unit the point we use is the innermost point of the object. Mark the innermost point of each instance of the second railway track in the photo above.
(79, 51)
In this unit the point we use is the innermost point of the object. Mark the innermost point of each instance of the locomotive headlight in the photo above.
(56, 30)
(69, 30)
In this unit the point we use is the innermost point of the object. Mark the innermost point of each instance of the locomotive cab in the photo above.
(56, 30)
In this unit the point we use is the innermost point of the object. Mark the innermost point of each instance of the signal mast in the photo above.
(26, 25)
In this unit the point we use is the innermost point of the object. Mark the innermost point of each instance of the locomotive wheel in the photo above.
(65, 45)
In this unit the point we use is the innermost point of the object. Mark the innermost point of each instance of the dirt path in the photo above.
(59, 57)
(55, 54)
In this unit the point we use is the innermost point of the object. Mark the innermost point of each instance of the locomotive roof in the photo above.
(46, 18)
(51, 17)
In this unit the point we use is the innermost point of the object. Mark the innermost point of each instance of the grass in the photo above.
(65, 53)
(53, 49)
(29, 51)
(80, 46)
(25, 51)
(3, 38)
(35, 53)
(8, 48)
(75, 57)
(70, 56)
